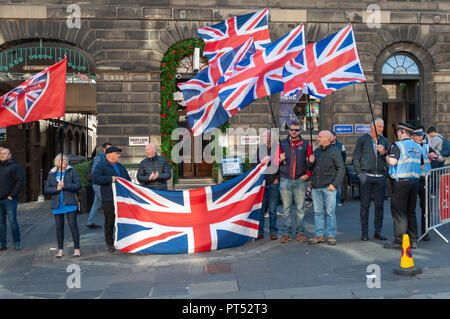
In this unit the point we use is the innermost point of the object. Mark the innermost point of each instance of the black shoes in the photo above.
(364, 237)
(379, 237)
(393, 245)
(3, 248)
(93, 226)
(110, 249)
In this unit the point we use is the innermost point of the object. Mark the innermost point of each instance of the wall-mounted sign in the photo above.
(231, 166)
(2, 134)
(138, 140)
(249, 140)
(343, 128)
(362, 128)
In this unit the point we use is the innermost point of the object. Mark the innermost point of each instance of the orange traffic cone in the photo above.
(407, 267)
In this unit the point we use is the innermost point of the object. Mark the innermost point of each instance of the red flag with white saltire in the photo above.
(42, 96)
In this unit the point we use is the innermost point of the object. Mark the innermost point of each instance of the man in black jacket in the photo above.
(327, 172)
(11, 184)
(104, 174)
(369, 162)
(154, 171)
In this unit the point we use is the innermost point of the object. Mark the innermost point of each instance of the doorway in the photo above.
(401, 93)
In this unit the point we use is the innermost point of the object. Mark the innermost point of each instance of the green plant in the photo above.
(81, 169)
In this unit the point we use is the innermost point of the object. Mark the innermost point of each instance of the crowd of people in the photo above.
(401, 166)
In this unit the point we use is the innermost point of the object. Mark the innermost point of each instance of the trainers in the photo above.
(331, 241)
(18, 246)
(266, 215)
(285, 239)
(339, 205)
(273, 237)
(302, 238)
(260, 236)
(317, 239)
(413, 244)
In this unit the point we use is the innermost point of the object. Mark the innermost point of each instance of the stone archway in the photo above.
(427, 67)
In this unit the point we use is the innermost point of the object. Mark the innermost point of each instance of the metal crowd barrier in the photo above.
(437, 200)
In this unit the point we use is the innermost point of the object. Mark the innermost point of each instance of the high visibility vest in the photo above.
(426, 159)
(408, 165)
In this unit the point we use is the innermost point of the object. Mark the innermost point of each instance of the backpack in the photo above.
(445, 151)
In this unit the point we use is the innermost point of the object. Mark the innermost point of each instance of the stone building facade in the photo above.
(128, 40)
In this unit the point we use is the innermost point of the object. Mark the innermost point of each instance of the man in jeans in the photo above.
(272, 186)
(12, 183)
(369, 161)
(327, 173)
(293, 176)
(98, 196)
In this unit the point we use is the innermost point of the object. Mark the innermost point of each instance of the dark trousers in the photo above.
(403, 209)
(372, 187)
(110, 217)
(73, 225)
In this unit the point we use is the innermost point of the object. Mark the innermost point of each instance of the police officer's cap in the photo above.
(419, 131)
(405, 126)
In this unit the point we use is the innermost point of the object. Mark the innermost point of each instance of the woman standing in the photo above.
(63, 184)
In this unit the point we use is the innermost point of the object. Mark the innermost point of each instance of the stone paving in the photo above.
(258, 269)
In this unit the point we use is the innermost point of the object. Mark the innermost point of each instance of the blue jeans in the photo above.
(9, 208)
(321, 195)
(270, 203)
(96, 205)
(292, 190)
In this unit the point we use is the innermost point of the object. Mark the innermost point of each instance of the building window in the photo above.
(300, 109)
(400, 64)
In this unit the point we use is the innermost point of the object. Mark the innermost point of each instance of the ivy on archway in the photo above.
(169, 109)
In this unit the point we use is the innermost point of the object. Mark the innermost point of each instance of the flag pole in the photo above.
(371, 112)
(309, 118)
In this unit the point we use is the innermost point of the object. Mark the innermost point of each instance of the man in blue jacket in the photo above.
(104, 175)
(98, 197)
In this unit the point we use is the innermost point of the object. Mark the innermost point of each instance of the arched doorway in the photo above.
(186, 71)
(401, 91)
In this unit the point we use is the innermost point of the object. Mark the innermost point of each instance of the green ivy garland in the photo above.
(169, 109)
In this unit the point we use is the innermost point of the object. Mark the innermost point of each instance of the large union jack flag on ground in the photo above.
(42, 96)
(324, 67)
(260, 74)
(203, 107)
(233, 32)
(168, 222)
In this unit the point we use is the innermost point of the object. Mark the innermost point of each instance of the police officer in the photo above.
(405, 160)
(428, 155)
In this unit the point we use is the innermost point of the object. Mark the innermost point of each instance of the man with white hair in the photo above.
(369, 161)
(154, 171)
(328, 172)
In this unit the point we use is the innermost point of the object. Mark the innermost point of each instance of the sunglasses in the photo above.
(294, 130)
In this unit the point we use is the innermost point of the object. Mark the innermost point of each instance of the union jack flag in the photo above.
(21, 100)
(169, 222)
(42, 96)
(260, 74)
(203, 107)
(233, 32)
(324, 67)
